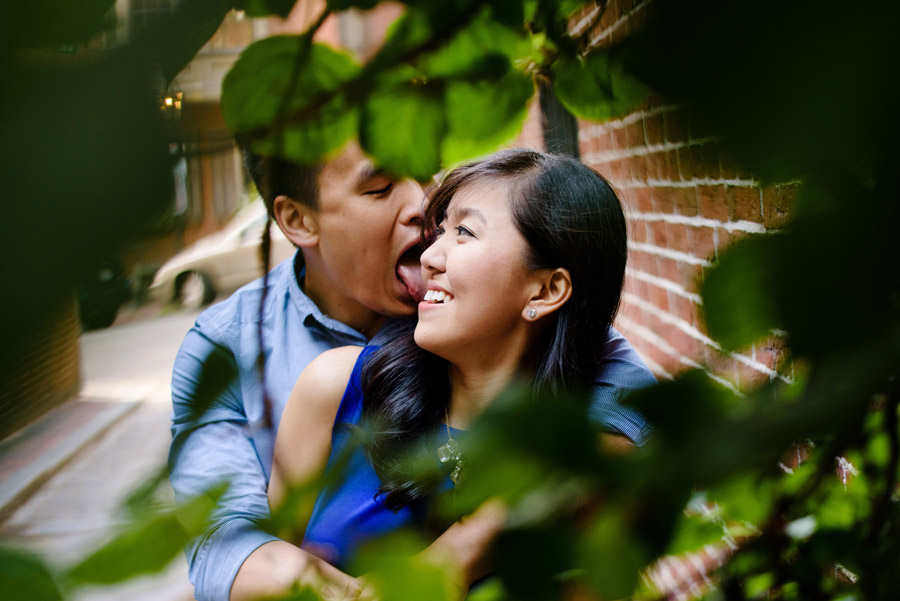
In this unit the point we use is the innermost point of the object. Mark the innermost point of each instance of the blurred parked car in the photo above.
(220, 262)
(101, 292)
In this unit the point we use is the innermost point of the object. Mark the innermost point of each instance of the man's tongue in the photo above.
(409, 272)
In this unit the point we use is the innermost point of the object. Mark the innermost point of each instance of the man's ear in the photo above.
(298, 221)
(555, 288)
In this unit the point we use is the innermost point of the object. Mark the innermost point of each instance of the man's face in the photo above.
(369, 230)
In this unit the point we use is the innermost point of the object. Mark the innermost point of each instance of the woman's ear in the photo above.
(298, 221)
(555, 290)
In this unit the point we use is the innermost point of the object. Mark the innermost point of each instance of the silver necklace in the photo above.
(450, 451)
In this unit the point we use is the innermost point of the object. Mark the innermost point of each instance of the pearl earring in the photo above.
(532, 313)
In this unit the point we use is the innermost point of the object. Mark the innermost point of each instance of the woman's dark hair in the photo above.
(571, 218)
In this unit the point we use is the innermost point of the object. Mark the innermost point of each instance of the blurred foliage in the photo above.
(803, 92)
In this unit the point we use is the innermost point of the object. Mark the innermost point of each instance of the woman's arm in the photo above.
(302, 447)
(303, 442)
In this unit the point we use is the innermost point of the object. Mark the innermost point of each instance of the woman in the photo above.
(524, 273)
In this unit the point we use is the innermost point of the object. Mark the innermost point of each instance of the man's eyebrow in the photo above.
(367, 173)
(460, 213)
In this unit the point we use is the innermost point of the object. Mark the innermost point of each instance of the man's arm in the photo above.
(277, 566)
(302, 448)
(209, 448)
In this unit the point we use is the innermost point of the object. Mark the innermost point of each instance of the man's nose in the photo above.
(413, 200)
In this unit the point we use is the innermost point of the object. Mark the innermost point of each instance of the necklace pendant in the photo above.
(454, 475)
(449, 452)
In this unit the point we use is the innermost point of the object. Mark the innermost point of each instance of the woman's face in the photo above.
(477, 280)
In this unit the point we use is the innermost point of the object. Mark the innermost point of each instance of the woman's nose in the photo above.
(432, 258)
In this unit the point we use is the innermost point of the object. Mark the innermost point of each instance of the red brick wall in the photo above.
(46, 372)
(685, 201)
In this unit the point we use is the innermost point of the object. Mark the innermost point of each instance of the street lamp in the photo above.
(170, 105)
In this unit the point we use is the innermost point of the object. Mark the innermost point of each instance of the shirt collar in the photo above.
(309, 312)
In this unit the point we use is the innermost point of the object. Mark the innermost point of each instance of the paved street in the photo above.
(81, 505)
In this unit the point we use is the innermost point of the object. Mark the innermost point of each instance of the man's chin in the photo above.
(408, 308)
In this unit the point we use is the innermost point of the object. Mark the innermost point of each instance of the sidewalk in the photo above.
(31, 456)
(100, 451)
(65, 478)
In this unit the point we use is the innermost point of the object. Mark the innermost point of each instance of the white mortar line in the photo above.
(699, 336)
(668, 253)
(629, 119)
(664, 284)
(579, 27)
(608, 31)
(651, 337)
(646, 149)
(670, 319)
(688, 183)
(729, 226)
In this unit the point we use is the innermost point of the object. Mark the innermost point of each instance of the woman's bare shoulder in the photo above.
(320, 387)
(304, 433)
(330, 370)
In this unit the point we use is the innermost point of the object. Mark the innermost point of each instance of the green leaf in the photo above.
(95, 120)
(483, 49)
(176, 40)
(596, 87)
(339, 5)
(746, 498)
(410, 30)
(146, 496)
(46, 23)
(693, 532)
(490, 589)
(530, 560)
(284, 76)
(485, 114)
(219, 371)
(146, 547)
(611, 555)
(401, 127)
(508, 12)
(26, 577)
(739, 301)
(398, 573)
(759, 585)
(265, 8)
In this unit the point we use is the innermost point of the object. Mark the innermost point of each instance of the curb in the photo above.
(31, 456)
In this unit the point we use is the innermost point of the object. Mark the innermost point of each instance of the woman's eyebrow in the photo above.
(460, 213)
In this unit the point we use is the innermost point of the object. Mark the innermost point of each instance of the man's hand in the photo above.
(278, 567)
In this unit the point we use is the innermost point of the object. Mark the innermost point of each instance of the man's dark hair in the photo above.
(274, 177)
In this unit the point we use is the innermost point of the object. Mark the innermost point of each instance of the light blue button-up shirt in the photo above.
(230, 440)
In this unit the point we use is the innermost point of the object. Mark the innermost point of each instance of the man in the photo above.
(357, 230)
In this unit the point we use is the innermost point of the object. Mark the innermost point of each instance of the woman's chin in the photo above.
(426, 341)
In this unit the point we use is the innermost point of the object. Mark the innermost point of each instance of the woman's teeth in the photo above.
(437, 296)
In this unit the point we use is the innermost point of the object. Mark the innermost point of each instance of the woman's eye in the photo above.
(464, 231)
(380, 191)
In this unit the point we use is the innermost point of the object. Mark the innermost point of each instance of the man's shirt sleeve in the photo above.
(621, 372)
(209, 447)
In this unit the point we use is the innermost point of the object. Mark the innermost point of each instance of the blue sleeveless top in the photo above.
(347, 514)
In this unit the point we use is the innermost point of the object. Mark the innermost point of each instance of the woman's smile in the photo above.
(437, 297)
